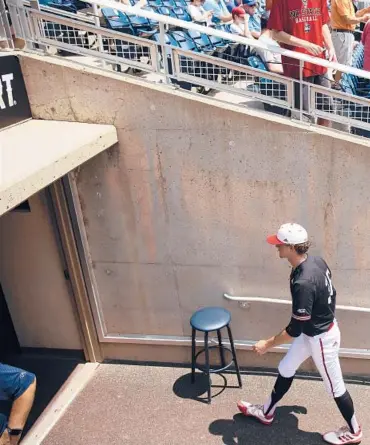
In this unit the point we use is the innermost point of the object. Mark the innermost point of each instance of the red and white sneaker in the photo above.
(256, 411)
(343, 436)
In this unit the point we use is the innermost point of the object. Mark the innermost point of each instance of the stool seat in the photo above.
(210, 319)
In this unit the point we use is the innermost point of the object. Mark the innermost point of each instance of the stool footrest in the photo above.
(213, 370)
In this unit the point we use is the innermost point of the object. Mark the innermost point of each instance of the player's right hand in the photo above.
(261, 347)
(313, 49)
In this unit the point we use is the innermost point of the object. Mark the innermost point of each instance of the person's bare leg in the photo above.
(20, 410)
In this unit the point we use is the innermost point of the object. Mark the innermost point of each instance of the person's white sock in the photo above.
(267, 405)
(355, 425)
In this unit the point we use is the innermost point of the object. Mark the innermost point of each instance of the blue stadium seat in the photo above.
(181, 13)
(267, 87)
(127, 23)
(202, 41)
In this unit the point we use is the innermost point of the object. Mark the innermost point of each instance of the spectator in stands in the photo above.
(365, 40)
(231, 4)
(219, 10)
(343, 22)
(240, 23)
(303, 29)
(272, 60)
(254, 22)
(198, 13)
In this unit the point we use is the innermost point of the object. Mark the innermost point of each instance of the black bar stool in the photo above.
(207, 320)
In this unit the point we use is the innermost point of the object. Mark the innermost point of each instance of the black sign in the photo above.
(14, 105)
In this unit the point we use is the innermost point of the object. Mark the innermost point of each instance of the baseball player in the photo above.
(314, 331)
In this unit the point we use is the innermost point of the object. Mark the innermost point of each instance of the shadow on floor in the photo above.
(51, 373)
(241, 430)
(184, 389)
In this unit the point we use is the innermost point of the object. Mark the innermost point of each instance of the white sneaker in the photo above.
(343, 436)
(256, 411)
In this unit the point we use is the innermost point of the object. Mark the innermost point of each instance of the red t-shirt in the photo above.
(303, 19)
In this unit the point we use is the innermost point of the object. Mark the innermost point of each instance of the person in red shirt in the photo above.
(302, 26)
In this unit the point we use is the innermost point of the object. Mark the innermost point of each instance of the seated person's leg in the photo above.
(19, 387)
(22, 405)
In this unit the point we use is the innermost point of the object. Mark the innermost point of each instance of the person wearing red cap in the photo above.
(240, 22)
(314, 331)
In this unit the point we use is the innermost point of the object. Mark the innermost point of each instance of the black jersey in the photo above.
(313, 295)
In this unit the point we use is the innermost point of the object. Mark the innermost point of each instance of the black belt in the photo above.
(344, 30)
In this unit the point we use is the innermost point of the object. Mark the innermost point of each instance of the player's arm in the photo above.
(303, 297)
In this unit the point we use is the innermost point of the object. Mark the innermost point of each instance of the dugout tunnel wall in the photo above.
(37, 276)
(176, 214)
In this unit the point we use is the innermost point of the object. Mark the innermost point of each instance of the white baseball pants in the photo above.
(324, 350)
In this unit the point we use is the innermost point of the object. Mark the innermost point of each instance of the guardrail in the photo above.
(344, 352)
(288, 302)
(214, 66)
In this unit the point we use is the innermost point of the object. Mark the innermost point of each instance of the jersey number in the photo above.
(329, 285)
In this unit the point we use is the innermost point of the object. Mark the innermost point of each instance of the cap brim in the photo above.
(274, 240)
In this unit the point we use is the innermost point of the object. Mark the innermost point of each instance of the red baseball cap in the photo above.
(238, 12)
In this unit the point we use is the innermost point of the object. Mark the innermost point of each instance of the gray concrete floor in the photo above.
(129, 404)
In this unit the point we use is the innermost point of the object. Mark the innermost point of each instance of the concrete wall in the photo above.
(31, 274)
(177, 213)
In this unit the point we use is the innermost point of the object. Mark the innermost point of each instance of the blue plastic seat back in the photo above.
(345, 84)
(216, 41)
(115, 19)
(181, 13)
(164, 10)
(181, 3)
(202, 43)
(169, 39)
(137, 21)
(257, 62)
(155, 3)
(184, 40)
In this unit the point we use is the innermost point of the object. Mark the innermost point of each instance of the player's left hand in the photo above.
(261, 347)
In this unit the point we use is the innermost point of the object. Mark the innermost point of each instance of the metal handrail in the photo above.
(247, 345)
(289, 302)
(253, 43)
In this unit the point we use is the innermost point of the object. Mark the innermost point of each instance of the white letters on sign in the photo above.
(6, 88)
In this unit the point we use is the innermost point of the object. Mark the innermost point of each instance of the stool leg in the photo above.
(222, 352)
(207, 365)
(234, 356)
(193, 355)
